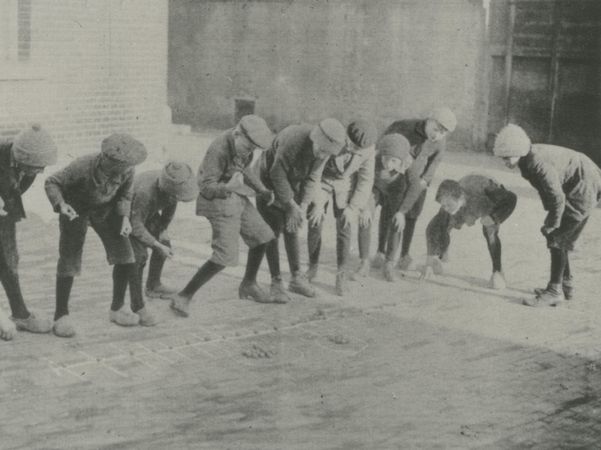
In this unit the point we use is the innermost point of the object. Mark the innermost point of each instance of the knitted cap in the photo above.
(445, 117)
(256, 130)
(362, 133)
(512, 140)
(122, 148)
(395, 146)
(329, 136)
(178, 180)
(34, 147)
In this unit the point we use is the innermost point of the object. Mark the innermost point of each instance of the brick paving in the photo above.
(438, 364)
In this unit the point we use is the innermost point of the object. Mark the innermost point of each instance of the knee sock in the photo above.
(204, 274)
(558, 264)
(567, 272)
(272, 254)
(10, 281)
(293, 251)
(407, 236)
(314, 244)
(63, 292)
(255, 256)
(364, 236)
(121, 276)
(155, 269)
(135, 288)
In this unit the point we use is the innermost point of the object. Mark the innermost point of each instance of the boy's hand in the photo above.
(164, 235)
(423, 183)
(348, 216)
(546, 230)
(365, 218)
(67, 210)
(487, 221)
(316, 215)
(268, 197)
(399, 221)
(236, 182)
(125, 227)
(165, 251)
(294, 217)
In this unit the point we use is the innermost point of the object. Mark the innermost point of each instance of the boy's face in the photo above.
(113, 168)
(393, 164)
(452, 205)
(435, 131)
(242, 143)
(511, 161)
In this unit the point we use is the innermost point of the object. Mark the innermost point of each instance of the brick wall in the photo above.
(306, 59)
(85, 69)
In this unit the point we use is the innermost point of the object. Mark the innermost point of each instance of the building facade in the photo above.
(85, 69)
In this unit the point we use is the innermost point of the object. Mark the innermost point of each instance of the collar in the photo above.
(420, 129)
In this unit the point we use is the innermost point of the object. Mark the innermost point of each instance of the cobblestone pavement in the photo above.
(444, 363)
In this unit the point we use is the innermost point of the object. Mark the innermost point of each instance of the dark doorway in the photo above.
(546, 70)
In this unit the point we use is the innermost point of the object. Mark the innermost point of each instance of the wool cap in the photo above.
(178, 179)
(256, 130)
(329, 135)
(445, 117)
(362, 133)
(122, 148)
(34, 147)
(395, 146)
(512, 140)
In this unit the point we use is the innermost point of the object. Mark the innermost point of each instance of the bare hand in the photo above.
(268, 197)
(546, 230)
(165, 251)
(164, 235)
(365, 218)
(67, 210)
(487, 221)
(125, 227)
(348, 217)
(423, 183)
(399, 221)
(236, 182)
(294, 218)
(316, 215)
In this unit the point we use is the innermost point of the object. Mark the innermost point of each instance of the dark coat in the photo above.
(427, 157)
(568, 182)
(290, 167)
(221, 161)
(13, 184)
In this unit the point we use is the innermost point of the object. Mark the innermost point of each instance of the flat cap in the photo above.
(362, 133)
(124, 149)
(329, 135)
(256, 130)
(178, 180)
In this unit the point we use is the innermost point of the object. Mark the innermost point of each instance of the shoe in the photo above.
(160, 291)
(277, 292)
(547, 297)
(124, 318)
(388, 271)
(312, 272)
(33, 324)
(180, 305)
(497, 281)
(252, 291)
(445, 258)
(63, 327)
(362, 271)
(437, 267)
(8, 329)
(341, 284)
(299, 285)
(568, 288)
(406, 262)
(146, 318)
(378, 261)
